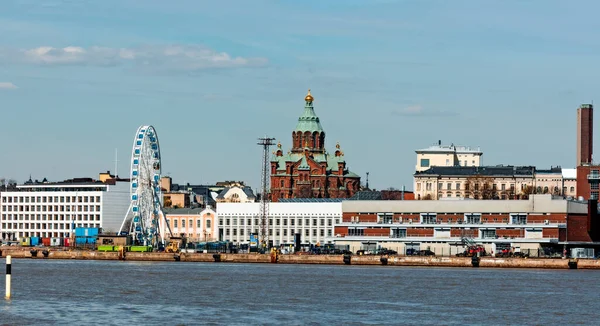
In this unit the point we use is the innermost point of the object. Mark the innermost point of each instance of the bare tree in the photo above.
(527, 190)
(480, 187)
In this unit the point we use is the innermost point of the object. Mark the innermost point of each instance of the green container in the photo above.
(140, 249)
(106, 248)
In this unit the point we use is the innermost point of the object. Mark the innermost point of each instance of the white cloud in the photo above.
(7, 85)
(419, 111)
(170, 57)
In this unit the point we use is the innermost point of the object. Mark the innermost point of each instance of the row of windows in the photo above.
(55, 217)
(51, 208)
(271, 215)
(44, 226)
(284, 222)
(278, 232)
(51, 199)
(175, 223)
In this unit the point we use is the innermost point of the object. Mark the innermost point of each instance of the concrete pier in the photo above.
(546, 263)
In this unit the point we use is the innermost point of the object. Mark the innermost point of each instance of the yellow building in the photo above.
(447, 155)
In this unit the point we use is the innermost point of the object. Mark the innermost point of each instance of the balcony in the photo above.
(593, 176)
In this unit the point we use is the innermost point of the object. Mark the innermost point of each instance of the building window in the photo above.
(503, 186)
(282, 183)
(572, 189)
(424, 162)
(473, 218)
(594, 186)
(398, 233)
(457, 186)
(449, 186)
(519, 219)
(182, 223)
(440, 185)
(428, 218)
(174, 223)
(208, 224)
(488, 234)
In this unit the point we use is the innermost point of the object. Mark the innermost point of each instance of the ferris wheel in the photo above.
(146, 222)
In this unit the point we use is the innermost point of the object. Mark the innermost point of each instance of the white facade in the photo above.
(313, 220)
(48, 210)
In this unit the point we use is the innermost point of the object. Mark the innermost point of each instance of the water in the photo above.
(54, 292)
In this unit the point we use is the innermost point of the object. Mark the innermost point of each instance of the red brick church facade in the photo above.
(308, 170)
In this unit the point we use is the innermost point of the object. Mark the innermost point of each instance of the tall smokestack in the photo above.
(585, 133)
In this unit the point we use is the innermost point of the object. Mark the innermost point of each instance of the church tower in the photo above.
(309, 134)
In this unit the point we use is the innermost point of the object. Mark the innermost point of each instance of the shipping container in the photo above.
(66, 242)
(86, 232)
(25, 242)
(35, 241)
(85, 240)
(56, 242)
(46, 242)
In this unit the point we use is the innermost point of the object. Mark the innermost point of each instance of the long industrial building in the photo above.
(442, 227)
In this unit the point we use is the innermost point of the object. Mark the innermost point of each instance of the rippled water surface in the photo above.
(52, 292)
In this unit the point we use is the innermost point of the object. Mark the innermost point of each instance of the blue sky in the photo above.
(78, 77)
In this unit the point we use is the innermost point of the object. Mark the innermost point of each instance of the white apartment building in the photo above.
(313, 220)
(447, 155)
(55, 209)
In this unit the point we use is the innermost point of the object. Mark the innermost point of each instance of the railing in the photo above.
(593, 176)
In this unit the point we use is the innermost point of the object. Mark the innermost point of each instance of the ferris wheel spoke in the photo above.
(146, 193)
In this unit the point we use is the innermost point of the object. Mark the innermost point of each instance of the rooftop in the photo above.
(310, 200)
(439, 148)
(498, 170)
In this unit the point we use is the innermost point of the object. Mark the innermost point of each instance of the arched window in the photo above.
(546, 189)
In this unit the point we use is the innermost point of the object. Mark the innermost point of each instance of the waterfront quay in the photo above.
(373, 260)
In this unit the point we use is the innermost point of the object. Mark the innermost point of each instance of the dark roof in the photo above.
(247, 190)
(366, 195)
(183, 210)
(498, 170)
(380, 195)
(310, 200)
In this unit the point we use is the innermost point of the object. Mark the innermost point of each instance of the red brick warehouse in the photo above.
(308, 170)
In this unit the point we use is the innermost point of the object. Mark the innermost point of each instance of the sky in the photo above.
(78, 77)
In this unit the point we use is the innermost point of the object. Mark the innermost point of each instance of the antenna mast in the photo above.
(264, 197)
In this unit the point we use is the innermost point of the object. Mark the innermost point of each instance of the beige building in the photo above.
(447, 155)
(197, 224)
(492, 182)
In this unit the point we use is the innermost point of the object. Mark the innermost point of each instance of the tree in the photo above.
(526, 191)
(480, 187)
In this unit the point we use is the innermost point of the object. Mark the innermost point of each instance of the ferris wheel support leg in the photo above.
(125, 218)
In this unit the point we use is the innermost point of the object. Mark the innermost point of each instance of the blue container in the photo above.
(35, 241)
(85, 240)
(86, 232)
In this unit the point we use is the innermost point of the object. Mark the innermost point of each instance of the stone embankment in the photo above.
(546, 263)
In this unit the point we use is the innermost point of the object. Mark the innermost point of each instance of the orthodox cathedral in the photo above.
(308, 170)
